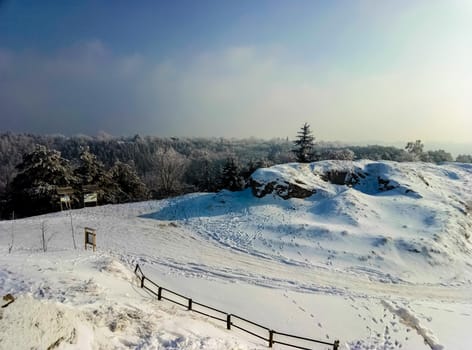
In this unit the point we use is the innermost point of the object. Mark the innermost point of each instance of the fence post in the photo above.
(142, 281)
(190, 304)
(336, 345)
(136, 268)
(228, 321)
(159, 293)
(271, 338)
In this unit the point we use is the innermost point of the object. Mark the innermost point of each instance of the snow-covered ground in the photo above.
(376, 269)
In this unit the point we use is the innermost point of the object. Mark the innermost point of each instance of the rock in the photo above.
(9, 299)
(283, 189)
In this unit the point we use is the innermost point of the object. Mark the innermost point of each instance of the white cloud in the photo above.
(236, 91)
(247, 92)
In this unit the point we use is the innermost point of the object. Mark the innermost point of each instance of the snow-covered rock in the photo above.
(296, 180)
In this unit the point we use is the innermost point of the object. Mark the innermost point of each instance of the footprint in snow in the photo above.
(312, 316)
(320, 325)
(301, 309)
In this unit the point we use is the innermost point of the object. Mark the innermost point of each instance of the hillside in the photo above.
(375, 254)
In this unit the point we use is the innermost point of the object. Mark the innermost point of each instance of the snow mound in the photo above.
(71, 301)
(297, 180)
(410, 320)
(391, 221)
(115, 268)
(28, 323)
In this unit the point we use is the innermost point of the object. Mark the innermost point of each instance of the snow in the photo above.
(374, 268)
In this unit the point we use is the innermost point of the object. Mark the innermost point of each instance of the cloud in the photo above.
(245, 91)
(82, 88)
(234, 91)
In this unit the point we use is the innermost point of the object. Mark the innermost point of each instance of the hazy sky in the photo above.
(355, 70)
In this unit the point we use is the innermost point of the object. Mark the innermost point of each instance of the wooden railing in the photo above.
(264, 333)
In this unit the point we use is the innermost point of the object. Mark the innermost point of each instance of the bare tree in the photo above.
(44, 236)
(170, 168)
(12, 241)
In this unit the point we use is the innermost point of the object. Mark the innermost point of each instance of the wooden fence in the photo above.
(232, 321)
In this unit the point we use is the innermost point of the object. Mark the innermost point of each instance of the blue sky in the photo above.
(357, 71)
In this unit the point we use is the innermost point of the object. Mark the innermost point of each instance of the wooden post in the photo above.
(136, 268)
(228, 321)
(90, 237)
(336, 345)
(190, 304)
(159, 293)
(271, 338)
(142, 281)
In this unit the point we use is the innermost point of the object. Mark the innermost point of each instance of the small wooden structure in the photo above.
(65, 194)
(90, 194)
(90, 238)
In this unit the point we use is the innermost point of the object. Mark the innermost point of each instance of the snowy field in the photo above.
(374, 267)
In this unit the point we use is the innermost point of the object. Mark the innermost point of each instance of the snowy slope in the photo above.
(375, 267)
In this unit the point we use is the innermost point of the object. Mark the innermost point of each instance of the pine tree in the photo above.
(304, 145)
(33, 190)
(131, 188)
(91, 172)
(230, 177)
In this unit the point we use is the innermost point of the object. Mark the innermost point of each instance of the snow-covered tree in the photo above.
(130, 185)
(338, 154)
(415, 149)
(464, 158)
(437, 156)
(33, 190)
(92, 172)
(304, 145)
(170, 167)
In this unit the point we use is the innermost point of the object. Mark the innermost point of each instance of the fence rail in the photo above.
(231, 320)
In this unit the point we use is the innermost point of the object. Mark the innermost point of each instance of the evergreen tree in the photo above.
(131, 188)
(464, 158)
(251, 167)
(91, 172)
(33, 190)
(230, 177)
(437, 156)
(304, 145)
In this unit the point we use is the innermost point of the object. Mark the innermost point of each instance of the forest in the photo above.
(124, 169)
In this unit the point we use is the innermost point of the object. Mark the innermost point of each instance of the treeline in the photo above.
(135, 168)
